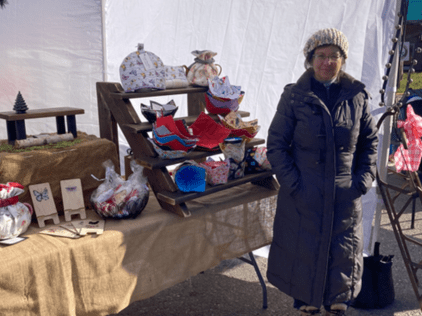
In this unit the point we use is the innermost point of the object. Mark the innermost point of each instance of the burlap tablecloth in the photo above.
(53, 165)
(132, 259)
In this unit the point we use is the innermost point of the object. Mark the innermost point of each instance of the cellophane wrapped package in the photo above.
(117, 198)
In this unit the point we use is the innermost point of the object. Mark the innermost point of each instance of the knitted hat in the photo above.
(329, 36)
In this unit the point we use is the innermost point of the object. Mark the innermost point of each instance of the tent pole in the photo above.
(387, 126)
(103, 27)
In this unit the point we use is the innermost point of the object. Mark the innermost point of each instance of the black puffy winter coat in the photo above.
(324, 163)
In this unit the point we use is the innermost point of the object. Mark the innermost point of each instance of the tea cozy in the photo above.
(142, 70)
(330, 36)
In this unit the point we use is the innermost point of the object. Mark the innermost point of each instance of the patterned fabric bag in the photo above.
(217, 171)
(203, 68)
(15, 217)
(142, 70)
(235, 152)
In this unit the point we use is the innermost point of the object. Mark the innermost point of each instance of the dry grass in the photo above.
(4, 147)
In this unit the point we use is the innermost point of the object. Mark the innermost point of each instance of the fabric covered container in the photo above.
(244, 130)
(216, 105)
(142, 70)
(221, 88)
(156, 109)
(15, 217)
(261, 157)
(169, 134)
(169, 153)
(234, 152)
(256, 160)
(203, 68)
(190, 177)
(209, 132)
(217, 171)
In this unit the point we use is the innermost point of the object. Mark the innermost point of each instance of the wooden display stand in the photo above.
(114, 107)
(73, 199)
(16, 122)
(43, 202)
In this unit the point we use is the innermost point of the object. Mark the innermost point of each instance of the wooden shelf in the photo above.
(115, 108)
(157, 93)
(146, 126)
(175, 198)
(157, 162)
(15, 122)
(40, 113)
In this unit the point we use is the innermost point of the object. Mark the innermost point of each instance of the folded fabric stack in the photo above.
(238, 128)
(171, 139)
(209, 132)
(221, 98)
(156, 109)
(175, 77)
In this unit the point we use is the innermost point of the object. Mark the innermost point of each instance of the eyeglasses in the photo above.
(321, 57)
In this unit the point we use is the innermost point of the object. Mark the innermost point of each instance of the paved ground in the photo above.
(232, 288)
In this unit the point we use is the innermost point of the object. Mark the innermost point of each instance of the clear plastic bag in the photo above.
(117, 198)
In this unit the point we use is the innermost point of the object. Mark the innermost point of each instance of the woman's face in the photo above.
(327, 62)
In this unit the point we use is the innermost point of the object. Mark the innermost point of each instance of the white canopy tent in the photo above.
(54, 52)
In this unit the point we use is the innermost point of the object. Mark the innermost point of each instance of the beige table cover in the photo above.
(55, 164)
(132, 259)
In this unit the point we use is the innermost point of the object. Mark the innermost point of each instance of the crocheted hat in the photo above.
(330, 36)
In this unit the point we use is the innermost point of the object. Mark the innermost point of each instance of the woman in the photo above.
(322, 146)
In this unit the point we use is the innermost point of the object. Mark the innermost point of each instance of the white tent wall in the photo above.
(51, 51)
(55, 51)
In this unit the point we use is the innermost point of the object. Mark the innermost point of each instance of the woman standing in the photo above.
(322, 145)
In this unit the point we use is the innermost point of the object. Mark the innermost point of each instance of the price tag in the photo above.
(146, 60)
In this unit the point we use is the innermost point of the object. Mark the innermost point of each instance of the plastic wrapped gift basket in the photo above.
(120, 199)
(171, 138)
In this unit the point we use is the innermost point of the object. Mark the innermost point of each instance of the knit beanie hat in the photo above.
(330, 36)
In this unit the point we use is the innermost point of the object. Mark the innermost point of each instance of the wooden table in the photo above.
(132, 259)
(16, 122)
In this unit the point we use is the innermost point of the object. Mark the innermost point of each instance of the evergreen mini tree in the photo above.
(20, 105)
(3, 3)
